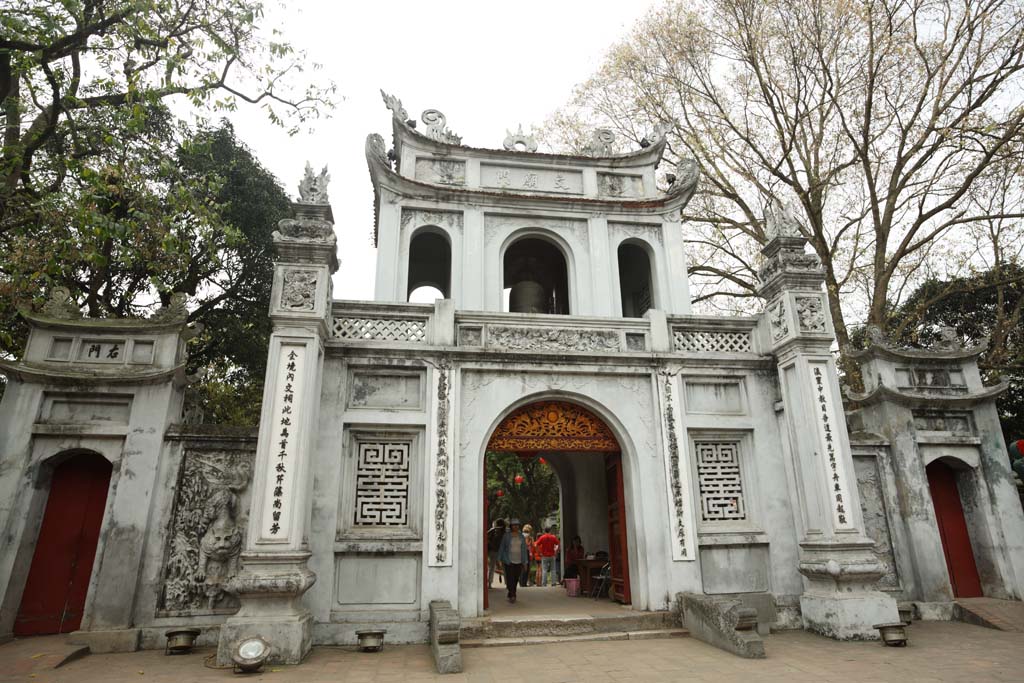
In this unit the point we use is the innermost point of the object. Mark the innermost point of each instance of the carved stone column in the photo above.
(274, 575)
(837, 559)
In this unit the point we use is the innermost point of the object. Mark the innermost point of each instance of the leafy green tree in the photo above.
(985, 305)
(531, 501)
(105, 192)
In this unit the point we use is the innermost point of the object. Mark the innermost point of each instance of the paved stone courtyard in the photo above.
(938, 651)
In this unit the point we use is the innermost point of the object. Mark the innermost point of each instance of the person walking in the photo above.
(528, 535)
(513, 554)
(494, 536)
(547, 547)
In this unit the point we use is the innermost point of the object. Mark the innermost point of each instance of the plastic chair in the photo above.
(604, 580)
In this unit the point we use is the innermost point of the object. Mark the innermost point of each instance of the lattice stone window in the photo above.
(380, 329)
(383, 473)
(715, 342)
(721, 486)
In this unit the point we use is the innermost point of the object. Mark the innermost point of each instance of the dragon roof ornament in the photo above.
(435, 121)
(781, 221)
(514, 140)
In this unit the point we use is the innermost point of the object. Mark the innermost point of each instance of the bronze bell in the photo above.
(528, 296)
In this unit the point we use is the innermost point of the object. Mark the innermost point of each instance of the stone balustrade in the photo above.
(399, 324)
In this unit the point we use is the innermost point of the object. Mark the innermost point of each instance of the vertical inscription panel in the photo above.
(286, 417)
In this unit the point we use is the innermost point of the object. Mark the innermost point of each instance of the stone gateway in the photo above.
(715, 458)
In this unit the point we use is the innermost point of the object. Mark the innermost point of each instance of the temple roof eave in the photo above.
(645, 156)
(918, 400)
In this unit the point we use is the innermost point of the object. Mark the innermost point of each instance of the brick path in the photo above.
(938, 651)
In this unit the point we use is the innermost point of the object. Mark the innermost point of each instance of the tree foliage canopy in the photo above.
(895, 126)
(535, 499)
(105, 191)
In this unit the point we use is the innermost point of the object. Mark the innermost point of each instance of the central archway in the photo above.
(561, 428)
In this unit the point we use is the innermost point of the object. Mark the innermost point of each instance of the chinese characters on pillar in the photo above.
(836, 473)
(285, 425)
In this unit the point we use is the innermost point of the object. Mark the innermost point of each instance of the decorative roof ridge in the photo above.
(379, 163)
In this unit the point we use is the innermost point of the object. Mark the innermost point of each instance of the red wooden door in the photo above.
(617, 548)
(58, 579)
(956, 542)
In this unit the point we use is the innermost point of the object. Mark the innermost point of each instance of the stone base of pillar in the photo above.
(290, 636)
(270, 588)
(848, 616)
(841, 601)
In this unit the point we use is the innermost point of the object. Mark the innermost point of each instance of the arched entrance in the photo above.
(563, 428)
(956, 540)
(54, 597)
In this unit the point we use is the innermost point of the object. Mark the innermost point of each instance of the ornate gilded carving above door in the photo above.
(552, 426)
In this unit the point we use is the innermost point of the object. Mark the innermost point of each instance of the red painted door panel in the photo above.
(956, 542)
(617, 547)
(58, 580)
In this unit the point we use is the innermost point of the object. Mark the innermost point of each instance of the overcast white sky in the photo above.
(487, 65)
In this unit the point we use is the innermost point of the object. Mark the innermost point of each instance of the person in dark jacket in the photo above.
(514, 555)
(494, 536)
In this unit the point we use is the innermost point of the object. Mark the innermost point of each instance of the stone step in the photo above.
(650, 634)
(549, 626)
(1002, 615)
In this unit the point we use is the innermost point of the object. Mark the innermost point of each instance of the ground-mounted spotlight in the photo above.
(180, 640)
(371, 640)
(249, 654)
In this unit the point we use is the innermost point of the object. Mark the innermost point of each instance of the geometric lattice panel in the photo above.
(382, 484)
(721, 488)
(715, 342)
(379, 329)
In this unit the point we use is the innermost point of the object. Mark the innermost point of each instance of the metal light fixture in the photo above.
(180, 640)
(249, 654)
(371, 640)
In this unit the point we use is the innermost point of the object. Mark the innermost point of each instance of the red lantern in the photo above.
(519, 479)
(499, 493)
(542, 461)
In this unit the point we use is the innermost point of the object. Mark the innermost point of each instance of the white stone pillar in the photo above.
(274, 575)
(600, 300)
(837, 559)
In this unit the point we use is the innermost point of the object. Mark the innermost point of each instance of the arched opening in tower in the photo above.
(430, 267)
(635, 280)
(536, 277)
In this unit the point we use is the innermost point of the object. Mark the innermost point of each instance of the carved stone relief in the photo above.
(547, 339)
(952, 422)
(876, 521)
(470, 336)
(298, 289)
(420, 217)
(649, 232)
(810, 313)
(494, 223)
(777, 320)
(206, 531)
(618, 185)
(441, 171)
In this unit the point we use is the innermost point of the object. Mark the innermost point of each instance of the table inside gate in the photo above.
(586, 567)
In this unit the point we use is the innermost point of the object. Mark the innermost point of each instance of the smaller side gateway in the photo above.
(710, 456)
